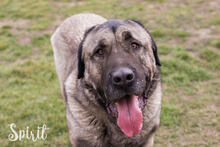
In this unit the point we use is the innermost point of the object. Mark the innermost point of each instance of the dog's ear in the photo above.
(81, 63)
(154, 46)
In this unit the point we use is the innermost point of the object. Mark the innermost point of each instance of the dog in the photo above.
(109, 74)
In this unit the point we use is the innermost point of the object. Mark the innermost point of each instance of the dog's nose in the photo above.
(123, 77)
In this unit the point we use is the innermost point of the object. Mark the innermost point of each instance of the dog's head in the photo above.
(119, 58)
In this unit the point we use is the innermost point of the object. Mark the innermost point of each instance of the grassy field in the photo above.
(187, 33)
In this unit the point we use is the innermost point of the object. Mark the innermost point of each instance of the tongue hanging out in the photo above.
(129, 115)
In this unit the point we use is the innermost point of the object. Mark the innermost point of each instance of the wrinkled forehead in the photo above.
(136, 31)
(112, 31)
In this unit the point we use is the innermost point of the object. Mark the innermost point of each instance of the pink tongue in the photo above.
(129, 115)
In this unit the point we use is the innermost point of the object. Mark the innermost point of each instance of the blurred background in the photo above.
(187, 33)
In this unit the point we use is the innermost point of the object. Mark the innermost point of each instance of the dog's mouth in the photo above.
(128, 111)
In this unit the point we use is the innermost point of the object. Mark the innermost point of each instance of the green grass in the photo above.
(181, 34)
(171, 116)
(30, 92)
(215, 20)
(158, 33)
(217, 43)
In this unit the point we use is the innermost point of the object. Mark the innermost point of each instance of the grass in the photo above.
(217, 43)
(171, 116)
(29, 89)
(158, 33)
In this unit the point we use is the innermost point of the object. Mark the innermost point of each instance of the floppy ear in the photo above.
(154, 46)
(81, 63)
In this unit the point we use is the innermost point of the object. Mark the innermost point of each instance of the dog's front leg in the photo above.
(150, 142)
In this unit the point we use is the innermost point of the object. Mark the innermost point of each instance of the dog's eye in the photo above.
(135, 45)
(100, 52)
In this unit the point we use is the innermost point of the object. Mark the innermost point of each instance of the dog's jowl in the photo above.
(109, 73)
